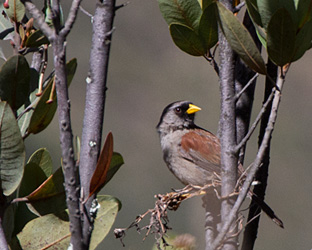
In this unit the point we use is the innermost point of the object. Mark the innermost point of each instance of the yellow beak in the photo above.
(192, 109)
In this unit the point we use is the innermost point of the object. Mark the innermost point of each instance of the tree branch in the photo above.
(228, 132)
(72, 15)
(66, 140)
(256, 165)
(254, 125)
(251, 230)
(95, 101)
(246, 86)
(39, 18)
(245, 83)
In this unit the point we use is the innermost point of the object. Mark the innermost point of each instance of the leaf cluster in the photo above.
(32, 195)
(283, 27)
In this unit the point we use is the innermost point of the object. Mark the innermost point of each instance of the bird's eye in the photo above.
(177, 110)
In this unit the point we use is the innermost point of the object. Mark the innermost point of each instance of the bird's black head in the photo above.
(177, 115)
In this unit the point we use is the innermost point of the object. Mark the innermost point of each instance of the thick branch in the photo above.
(71, 183)
(228, 131)
(256, 165)
(95, 101)
(66, 140)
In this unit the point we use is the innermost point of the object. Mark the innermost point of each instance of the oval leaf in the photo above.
(303, 40)
(43, 159)
(116, 162)
(12, 151)
(99, 176)
(187, 40)
(205, 3)
(44, 112)
(240, 40)
(180, 11)
(253, 11)
(49, 197)
(53, 229)
(304, 12)
(33, 177)
(36, 39)
(208, 26)
(6, 26)
(16, 10)
(281, 36)
(267, 8)
(106, 215)
(14, 81)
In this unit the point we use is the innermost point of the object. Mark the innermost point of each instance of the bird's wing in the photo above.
(203, 149)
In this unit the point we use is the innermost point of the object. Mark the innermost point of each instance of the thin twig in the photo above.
(254, 125)
(238, 7)
(122, 5)
(158, 223)
(72, 15)
(210, 58)
(238, 95)
(85, 12)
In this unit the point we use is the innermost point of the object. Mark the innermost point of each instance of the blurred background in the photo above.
(147, 72)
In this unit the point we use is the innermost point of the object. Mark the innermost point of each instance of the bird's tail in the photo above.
(267, 210)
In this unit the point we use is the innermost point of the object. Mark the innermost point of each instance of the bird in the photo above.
(192, 153)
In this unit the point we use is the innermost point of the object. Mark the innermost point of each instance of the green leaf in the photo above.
(180, 11)
(253, 11)
(33, 177)
(49, 197)
(44, 112)
(303, 40)
(23, 115)
(6, 26)
(12, 151)
(240, 40)
(16, 10)
(261, 35)
(116, 162)
(8, 221)
(22, 216)
(205, 3)
(45, 230)
(187, 39)
(109, 206)
(208, 26)
(36, 39)
(43, 159)
(14, 81)
(304, 12)
(53, 229)
(267, 8)
(281, 38)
